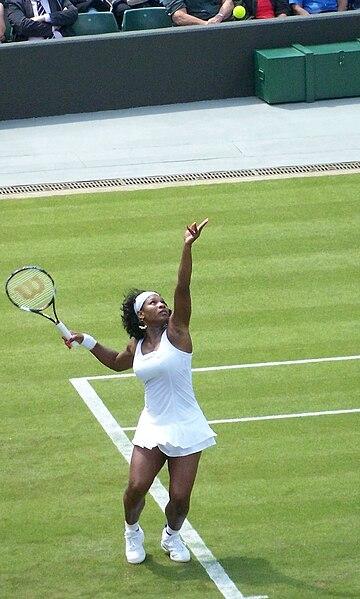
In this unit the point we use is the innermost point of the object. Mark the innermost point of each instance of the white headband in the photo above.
(141, 299)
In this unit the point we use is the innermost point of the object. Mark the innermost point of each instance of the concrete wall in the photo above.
(166, 66)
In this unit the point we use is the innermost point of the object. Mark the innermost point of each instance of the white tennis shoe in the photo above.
(175, 547)
(134, 550)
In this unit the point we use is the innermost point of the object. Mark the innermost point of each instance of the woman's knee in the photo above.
(180, 502)
(135, 491)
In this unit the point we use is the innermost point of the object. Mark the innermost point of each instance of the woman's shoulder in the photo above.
(132, 345)
(179, 340)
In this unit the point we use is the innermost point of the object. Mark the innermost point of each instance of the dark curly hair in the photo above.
(129, 319)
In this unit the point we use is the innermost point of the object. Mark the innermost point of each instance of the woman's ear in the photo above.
(142, 324)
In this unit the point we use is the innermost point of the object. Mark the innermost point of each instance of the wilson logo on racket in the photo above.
(32, 289)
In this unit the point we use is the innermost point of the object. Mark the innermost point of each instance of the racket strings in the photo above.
(31, 289)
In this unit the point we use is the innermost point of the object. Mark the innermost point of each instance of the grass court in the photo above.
(276, 277)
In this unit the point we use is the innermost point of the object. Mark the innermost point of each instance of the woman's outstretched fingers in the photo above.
(202, 225)
(195, 229)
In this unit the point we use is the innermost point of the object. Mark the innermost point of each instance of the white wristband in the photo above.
(88, 342)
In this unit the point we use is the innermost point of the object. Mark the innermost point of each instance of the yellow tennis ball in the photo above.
(239, 12)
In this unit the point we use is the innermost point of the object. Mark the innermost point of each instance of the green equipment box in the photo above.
(308, 73)
(280, 75)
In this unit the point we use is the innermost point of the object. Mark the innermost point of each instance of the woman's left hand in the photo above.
(193, 231)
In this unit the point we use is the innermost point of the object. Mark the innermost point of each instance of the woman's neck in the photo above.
(153, 333)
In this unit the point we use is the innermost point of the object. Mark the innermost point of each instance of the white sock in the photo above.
(131, 527)
(171, 531)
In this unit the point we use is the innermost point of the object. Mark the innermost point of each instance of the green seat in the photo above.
(145, 18)
(92, 23)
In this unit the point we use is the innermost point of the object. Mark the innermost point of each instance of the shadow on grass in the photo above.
(259, 571)
(252, 572)
(175, 572)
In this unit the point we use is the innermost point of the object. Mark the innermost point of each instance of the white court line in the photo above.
(272, 417)
(239, 366)
(283, 416)
(112, 428)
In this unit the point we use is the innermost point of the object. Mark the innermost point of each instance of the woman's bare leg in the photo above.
(182, 471)
(144, 466)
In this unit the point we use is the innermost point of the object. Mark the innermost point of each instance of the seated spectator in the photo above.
(92, 5)
(34, 20)
(265, 9)
(2, 24)
(120, 6)
(199, 12)
(312, 7)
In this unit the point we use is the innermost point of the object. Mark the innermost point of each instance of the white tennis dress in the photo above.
(171, 418)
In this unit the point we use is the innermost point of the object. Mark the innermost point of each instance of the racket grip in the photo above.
(64, 332)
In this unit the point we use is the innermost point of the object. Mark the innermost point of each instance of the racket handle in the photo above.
(64, 332)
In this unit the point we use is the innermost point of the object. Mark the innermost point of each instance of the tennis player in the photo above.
(172, 428)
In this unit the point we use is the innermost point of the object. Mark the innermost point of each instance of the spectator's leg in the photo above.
(102, 5)
(2, 24)
(118, 8)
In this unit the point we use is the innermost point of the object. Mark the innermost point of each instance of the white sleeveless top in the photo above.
(171, 418)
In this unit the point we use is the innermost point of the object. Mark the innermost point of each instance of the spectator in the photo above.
(310, 7)
(92, 5)
(265, 9)
(199, 12)
(120, 6)
(34, 20)
(2, 24)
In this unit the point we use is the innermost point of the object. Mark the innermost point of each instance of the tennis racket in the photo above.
(32, 289)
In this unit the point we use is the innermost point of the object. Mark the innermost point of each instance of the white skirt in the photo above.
(176, 452)
(176, 439)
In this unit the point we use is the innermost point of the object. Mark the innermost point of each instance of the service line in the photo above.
(273, 417)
